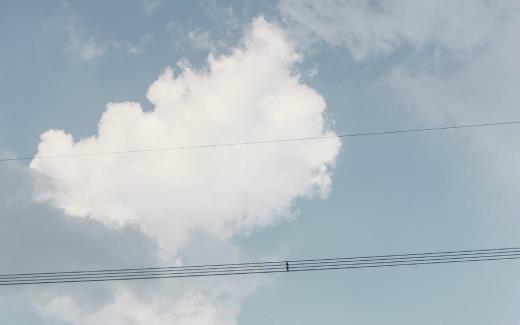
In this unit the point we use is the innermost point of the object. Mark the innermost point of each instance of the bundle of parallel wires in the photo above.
(287, 266)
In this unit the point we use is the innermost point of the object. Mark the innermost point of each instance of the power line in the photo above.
(256, 142)
(287, 266)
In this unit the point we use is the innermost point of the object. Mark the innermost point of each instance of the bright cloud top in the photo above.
(250, 94)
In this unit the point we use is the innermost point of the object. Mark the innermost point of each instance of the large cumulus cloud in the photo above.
(253, 92)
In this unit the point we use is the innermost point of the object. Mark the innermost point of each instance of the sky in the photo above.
(97, 76)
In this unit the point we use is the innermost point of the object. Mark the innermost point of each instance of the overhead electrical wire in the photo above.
(265, 141)
(288, 266)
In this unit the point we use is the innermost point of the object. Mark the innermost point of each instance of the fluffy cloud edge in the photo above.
(252, 93)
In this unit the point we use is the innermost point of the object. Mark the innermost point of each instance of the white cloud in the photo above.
(135, 48)
(87, 47)
(252, 93)
(204, 41)
(201, 301)
(468, 73)
(192, 308)
(56, 242)
(371, 28)
(483, 89)
(90, 49)
(150, 6)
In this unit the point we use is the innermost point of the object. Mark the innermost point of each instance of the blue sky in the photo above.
(255, 70)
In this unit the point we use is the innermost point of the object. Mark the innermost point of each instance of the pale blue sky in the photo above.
(61, 62)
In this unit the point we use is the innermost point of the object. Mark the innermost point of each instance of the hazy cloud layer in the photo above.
(89, 48)
(35, 237)
(126, 306)
(150, 6)
(371, 28)
(464, 61)
(481, 89)
(205, 304)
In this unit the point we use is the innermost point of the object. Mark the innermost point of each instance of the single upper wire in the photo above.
(267, 141)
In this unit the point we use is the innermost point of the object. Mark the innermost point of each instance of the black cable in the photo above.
(403, 262)
(146, 269)
(264, 267)
(204, 146)
(278, 270)
(136, 273)
(468, 253)
(280, 267)
(216, 267)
